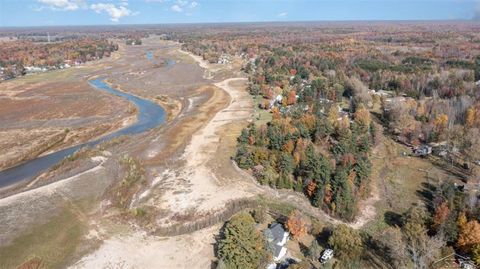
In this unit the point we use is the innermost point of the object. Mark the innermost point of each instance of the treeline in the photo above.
(16, 55)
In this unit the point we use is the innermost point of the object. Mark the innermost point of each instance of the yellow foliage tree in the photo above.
(470, 117)
(333, 116)
(362, 117)
(469, 236)
(441, 121)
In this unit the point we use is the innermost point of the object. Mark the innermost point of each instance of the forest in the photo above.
(330, 90)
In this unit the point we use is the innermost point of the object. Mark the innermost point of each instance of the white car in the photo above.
(326, 255)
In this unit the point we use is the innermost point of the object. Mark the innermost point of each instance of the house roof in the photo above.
(276, 250)
(277, 232)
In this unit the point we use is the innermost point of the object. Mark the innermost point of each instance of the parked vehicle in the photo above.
(326, 255)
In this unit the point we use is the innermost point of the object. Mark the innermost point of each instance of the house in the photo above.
(223, 60)
(276, 100)
(277, 237)
(423, 150)
(477, 83)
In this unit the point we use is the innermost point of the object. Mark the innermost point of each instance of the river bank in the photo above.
(149, 116)
(81, 185)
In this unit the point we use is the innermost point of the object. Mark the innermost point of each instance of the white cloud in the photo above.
(115, 13)
(182, 3)
(283, 14)
(176, 8)
(62, 4)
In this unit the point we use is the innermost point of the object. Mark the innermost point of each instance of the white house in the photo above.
(277, 237)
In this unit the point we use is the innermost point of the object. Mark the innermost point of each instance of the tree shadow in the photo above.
(304, 249)
(323, 236)
(426, 195)
(392, 218)
(215, 245)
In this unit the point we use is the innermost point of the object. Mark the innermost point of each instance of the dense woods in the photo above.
(424, 77)
(16, 57)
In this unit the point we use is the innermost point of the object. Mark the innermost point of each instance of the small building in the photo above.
(423, 150)
(277, 237)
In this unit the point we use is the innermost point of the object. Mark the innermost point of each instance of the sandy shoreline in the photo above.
(196, 187)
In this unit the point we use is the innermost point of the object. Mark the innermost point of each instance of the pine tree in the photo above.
(242, 245)
(299, 185)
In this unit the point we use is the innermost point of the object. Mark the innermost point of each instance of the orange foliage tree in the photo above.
(311, 187)
(469, 235)
(296, 224)
(289, 146)
(291, 98)
(441, 214)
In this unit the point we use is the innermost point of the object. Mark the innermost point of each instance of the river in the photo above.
(150, 115)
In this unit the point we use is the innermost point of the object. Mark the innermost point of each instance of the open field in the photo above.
(400, 180)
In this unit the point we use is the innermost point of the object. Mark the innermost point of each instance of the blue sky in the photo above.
(101, 12)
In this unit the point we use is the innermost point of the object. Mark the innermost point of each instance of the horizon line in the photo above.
(245, 22)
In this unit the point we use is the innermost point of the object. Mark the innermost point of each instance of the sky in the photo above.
(112, 12)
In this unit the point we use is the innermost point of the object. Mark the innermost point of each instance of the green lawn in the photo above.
(262, 116)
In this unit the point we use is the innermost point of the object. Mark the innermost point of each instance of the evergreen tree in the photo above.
(242, 246)
(299, 185)
(285, 163)
(243, 138)
(244, 158)
(346, 242)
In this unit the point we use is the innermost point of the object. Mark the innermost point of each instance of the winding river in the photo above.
(150, 115)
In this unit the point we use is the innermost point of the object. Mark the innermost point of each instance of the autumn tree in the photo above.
(359, 92)
(311, 188)
(441, 122)
(470, 117)
(296, 224)
(469, 235)
(291, 98)
(440, 215)
(362, 117)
